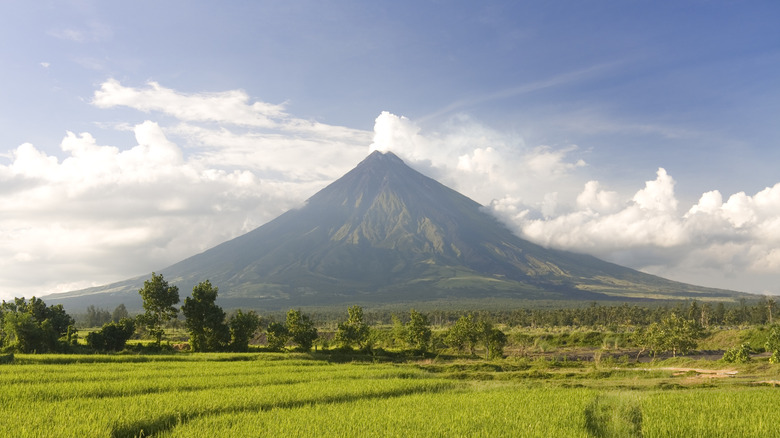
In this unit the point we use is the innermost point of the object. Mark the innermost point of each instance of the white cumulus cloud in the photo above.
(206, 167)
(102, 213)
(481, 162)
(544, 195)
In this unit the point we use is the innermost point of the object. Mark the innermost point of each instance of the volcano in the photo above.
(385, 233)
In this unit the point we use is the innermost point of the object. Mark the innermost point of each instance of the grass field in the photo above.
(243, 395)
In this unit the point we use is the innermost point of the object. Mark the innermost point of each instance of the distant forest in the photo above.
(594, 315)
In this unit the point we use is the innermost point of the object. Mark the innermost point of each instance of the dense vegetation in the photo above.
(32, 326)
(525, 372)
(662, 329)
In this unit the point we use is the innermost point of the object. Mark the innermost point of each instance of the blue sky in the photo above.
(134, 134)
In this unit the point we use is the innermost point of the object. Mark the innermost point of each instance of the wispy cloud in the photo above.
(530, 87)
(93, 31)
(232, 107)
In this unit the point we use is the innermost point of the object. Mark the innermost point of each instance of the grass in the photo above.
(461, 411)
(328, 395)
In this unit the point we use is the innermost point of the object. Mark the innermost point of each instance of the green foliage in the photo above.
(680, 334)
(673, 333)
(301, 329)
(277, 336)
(354, 331)
(112, 336)
(773, 343)
(243, 327)
(119, 312)
(398, 332)
(739, 354)
(205, 320)
(27, 327)
(418, 331)
(25, 335)
(463, 335)
(492, 338)
(467, 333)
(773, 338)
(159, 300)
(96, 317)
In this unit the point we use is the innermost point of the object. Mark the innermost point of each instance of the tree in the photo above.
(277, 335)
(463, 334)
(418, 331)
(28, 327)
(706, 312)
(301, 329)
(773, 343)
(243, 327)
(205, 320)
(719, 314)
(24, 335)
(159, 300)
(681, 334)
(492, 338)
(353, 331)
(113, 336)
(675, 334)
(650, 339)
(694, 312)
(119, 313)
(770, 308)
(398, 333)
(96, 317)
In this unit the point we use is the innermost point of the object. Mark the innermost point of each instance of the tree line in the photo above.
(605, 316)
(34, 327)
(210, 330)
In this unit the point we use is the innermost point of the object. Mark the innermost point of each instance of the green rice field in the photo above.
(257, 395)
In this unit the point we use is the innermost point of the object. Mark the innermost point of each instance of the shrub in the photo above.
(113, 336)
(739, 354)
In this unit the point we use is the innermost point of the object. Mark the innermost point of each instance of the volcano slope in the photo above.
(385, 233)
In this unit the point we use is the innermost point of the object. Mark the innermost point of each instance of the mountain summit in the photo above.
(385, 233)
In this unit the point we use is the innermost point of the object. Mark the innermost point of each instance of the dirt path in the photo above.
(701, 373)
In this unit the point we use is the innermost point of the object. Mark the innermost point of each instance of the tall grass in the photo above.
(712, 412)
(496, 412)
(216, 395)
(122, 399)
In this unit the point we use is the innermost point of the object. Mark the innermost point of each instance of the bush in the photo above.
(113, 336)
(739, 354)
